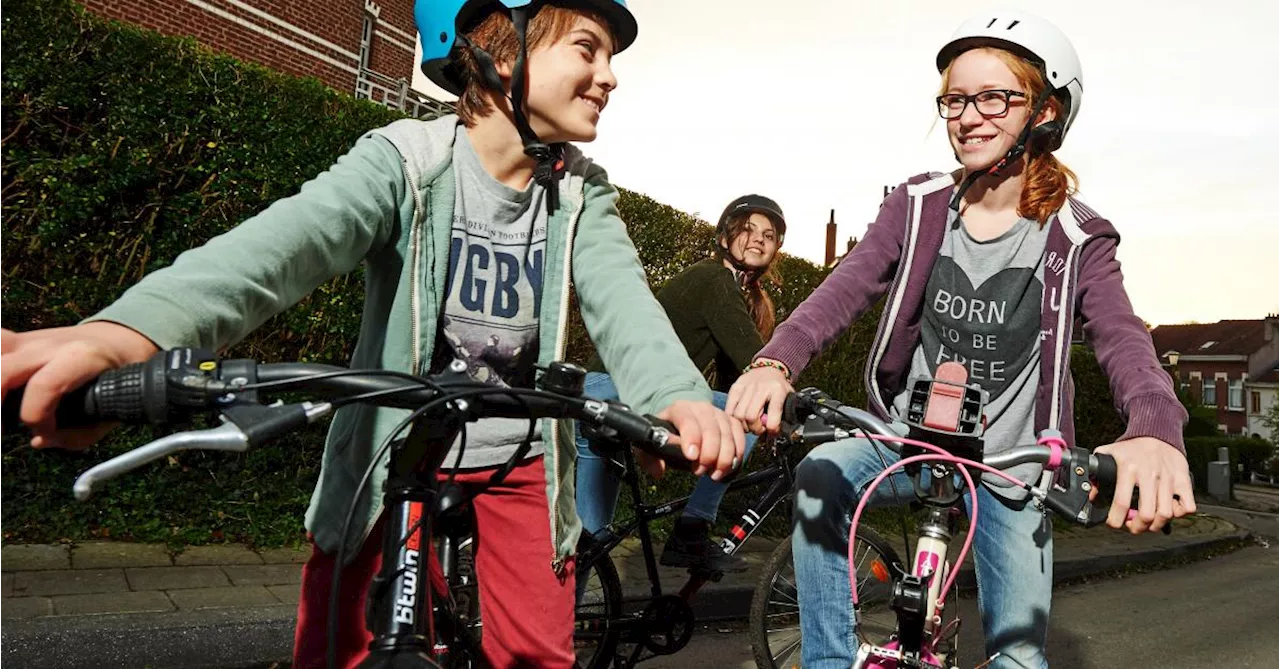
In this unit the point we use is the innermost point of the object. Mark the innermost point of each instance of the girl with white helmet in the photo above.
(988, 266)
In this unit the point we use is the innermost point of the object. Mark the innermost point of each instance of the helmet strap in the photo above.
(1015, 152)
(546, 171)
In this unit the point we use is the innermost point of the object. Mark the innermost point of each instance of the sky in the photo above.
(820, 104)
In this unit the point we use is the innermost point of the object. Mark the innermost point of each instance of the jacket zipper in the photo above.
(415, 272)
(897, 290)
(562, 327)
(415, 234)
(1064, 338)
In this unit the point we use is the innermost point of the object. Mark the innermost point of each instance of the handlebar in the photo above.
(176, 384)
(811, 417)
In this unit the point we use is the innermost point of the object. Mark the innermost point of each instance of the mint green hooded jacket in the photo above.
(389, 204)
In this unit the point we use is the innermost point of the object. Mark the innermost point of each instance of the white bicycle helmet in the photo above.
(1032, 38)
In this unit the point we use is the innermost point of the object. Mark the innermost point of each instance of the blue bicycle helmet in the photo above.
(440, 22)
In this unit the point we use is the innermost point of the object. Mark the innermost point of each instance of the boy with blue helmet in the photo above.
(471, 228)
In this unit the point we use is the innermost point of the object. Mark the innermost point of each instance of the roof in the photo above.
(1221, 338)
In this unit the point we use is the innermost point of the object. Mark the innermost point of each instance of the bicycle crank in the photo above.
(668, 625)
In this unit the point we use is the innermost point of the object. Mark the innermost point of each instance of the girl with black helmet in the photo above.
(988, 266)
(722, 314)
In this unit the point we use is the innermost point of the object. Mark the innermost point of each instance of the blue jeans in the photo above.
(599, 479)
(1013, 554)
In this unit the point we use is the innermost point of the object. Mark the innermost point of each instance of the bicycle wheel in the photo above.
(594, 640)
(775, 608)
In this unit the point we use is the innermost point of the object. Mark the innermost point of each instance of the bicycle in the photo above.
(413, 614)
(902, 623)
(663, 623)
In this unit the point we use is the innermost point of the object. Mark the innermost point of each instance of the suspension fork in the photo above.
(931, 560)
(399, 610)
(400, 619)
(916, 595)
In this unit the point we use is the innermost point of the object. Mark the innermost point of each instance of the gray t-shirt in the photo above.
(982, 308)
(493, 294)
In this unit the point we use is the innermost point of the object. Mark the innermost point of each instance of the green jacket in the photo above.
(389, 202)
(709, 313)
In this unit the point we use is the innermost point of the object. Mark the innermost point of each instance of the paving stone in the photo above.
(15, 608)
(106, 554)
(33, 557)
(264, 574)
(175, 578)
(287, 594)
(68, 582)
(216, 555)
(218, 598)
(285, 555)
(112, 602)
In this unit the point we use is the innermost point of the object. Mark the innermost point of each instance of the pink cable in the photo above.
(943, 456)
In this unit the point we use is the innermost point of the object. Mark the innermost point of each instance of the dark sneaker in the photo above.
(690, 545)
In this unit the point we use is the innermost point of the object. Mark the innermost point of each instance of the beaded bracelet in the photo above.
(766, 362)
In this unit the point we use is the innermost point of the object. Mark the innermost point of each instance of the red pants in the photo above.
(527, 609)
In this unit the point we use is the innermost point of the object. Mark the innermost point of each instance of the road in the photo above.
(1257, 498)
(1220, 610)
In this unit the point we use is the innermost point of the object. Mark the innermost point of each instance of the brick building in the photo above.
(363, 47)
(1215, 362)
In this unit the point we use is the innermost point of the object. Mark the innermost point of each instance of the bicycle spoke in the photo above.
(787, 651)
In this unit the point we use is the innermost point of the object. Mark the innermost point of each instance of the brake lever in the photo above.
(225, 437)
(1072, 498)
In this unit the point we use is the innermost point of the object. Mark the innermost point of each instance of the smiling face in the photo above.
(980, 141)
(570, 80)
(754, 241)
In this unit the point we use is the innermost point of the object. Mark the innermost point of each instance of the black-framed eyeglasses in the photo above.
(989, 103)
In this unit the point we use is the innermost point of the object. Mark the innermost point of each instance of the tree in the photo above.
(1271, 420)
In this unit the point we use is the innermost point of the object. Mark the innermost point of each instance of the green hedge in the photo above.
(1252, 453)
(121, 149)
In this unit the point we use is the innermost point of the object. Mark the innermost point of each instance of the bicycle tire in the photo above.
(594, 649)
(774, 620)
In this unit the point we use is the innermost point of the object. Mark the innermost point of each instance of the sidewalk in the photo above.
(106, 604)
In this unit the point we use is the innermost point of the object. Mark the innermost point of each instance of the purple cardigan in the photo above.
(1082, 277)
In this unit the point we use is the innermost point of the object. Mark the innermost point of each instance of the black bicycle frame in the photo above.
(608, 538)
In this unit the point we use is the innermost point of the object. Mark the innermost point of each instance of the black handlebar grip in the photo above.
(672, 454)
(1105, 473)
(76, 409)
(116, 395)
(789, 415)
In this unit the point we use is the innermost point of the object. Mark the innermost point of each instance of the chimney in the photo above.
(1269, 327)
(830, 256)
(887, 190)
(853, 241)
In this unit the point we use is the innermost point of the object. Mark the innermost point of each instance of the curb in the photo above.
(1074, 570)
(258, 636)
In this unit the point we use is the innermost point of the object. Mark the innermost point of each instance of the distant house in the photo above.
(1221, 364)
(1262, 397)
